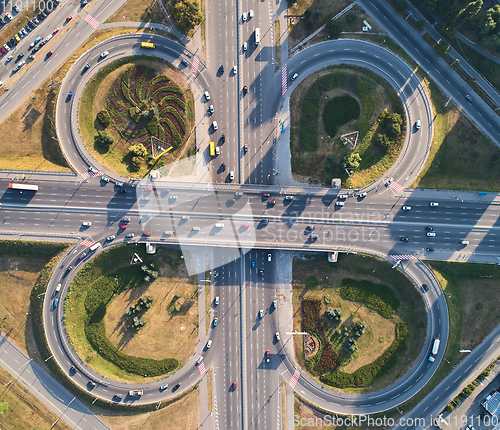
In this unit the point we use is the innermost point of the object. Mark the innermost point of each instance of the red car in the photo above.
(148, 189)
(49, 53)
(234, 385)
(56, 30)
(69, 18)
(147, 233)
(266, 195)
(245, 225)
(268, 356)
(271, 202)
(123, 226)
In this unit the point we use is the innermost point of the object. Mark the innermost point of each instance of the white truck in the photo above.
(135, 392)
(435, 349)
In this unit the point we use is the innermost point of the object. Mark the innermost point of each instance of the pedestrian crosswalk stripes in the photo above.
(397, 187)
(403, 257)
(87, 243)
(88, 175)
(201, 368)
(295, 378)
(284, 76)
(194, 67)
(92, 21)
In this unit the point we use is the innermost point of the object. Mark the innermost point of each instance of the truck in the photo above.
(435, 349)
(25, 187)
(257, 36)
(95, 246)
(212, 149)
(135, 393)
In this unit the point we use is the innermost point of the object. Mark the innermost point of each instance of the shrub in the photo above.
(104, 118)
(138, 150)
(104, 138)
(334, 28)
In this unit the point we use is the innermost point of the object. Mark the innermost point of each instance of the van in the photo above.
(257, 36)
(219, 225)
(417, 124)
(95, 246)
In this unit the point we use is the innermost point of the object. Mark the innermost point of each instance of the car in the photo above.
(199, 360)
(70, 95)
(125, 219)
(22, 63)
(407, 208)
(50, 36)
(173, 197)
(405, 239)
(425, 287)
(389, 182)
(269, 257)
(261, 313)
(310, 228)
(295, 75)
(277, 336)
(268, 356)
(275, 304)
(271, 202)
(250, 13)
(6, 47)
(245, 225)
(253, 264)
(468, 98)
(429, 228)
(245, 46)
(130, 235)
(235, 70)
(464, 242)
(110, 238)
(3, 50)
(244, 17)
(118, 184)
(211, 109)
(69, 18)
(35, 20)
(16, 8)
(86, 223)
(216, 301)
(433, 204)
(221, 69)
(261, 272)
(123, 226)
(216, 320)
(266, 195)
(105, 179)
(223, 138)
(9, 58)
(32, 45)
(16, 69)
(207, 96)
(234, 385)
(196, 228)
(8, 16)
(27, 28)
(148, 188)
(231, 175)
(245, 90)
(431, 249)
(49, 53)
(245, 148)
(82, 255)
(147, 233)
(163, 387)
(86, 67)
(184, 63)
(431, 234)
(291, 197)
(58, 288)
(123, 190)
(56, 302)
(145, 198)
(42, 43)
(339, 203)
(362, 195)
(266, 220)
(185, 217)
(417, 124)
(176, 387)
(104, 54)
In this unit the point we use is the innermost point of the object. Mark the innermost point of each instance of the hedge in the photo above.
(376, 297)
(126, 85)
(177, 115)
(366, 375)
(177, 100)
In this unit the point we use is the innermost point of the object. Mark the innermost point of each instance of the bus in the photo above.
(148, 45)
(25, 187)
(257, 36)
(95, 246)
(435, 346)
(212, 149)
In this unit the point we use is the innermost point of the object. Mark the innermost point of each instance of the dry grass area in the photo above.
(17, 277)
(138, 11)
(360, 267)
(24, 411)
(311, 418)
(166, 334)
(181, 415)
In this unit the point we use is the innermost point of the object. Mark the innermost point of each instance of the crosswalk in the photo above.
(403, 257)
(92, 21)
(284, 80)
(201, 368)
(87, 243)
(88, 175)
(194, 66)
(395, 186)
(295, 378)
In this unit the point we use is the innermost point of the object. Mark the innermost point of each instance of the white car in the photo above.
(277, 336)
(105, 179)
(110, 238)
(389, 182)
(209, 343)
(235, 69)
(86, 224)
(407, 208)
(145, 198)
(431, 234)
(173, 197)
(433, 204)
(342, 196)
(339, 203)
(199, 360)
(244, 16)
(58, 288)
(50, 36)
(245, 46)
(207, 96)
(231, 175)
(215, 126)
(295, 75)
(269, 257)
(104, 54)
(362, 195)
(250, 13)
(464, 242)
(216, 300)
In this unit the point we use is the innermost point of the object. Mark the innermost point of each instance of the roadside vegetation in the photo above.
(128, 102)
(365, 334)
(103, 332)
(337, 101)
(138, 11)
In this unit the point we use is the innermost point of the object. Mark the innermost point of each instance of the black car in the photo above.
(36, 21)
(176, 387)
(86, 67)
(245, 90)
(21, 55)
(13, 41)
(221, 69)
(10, 44)
(32, 24)
(41, 44)
(41, 16)
(405, 239)
(425, 287)
(431, 249)
(56, 2)
(430, 228)
(123, 190)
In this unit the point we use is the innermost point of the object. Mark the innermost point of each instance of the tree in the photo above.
(383, 140)
(352, 160)
(471, 10)
(393, 125)
(420, 24)
(104, 118)
(330, 313)
(334, 28)
(138, 150)
(187, 14)
(442, 48)
(400, 6)
(104, 138)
